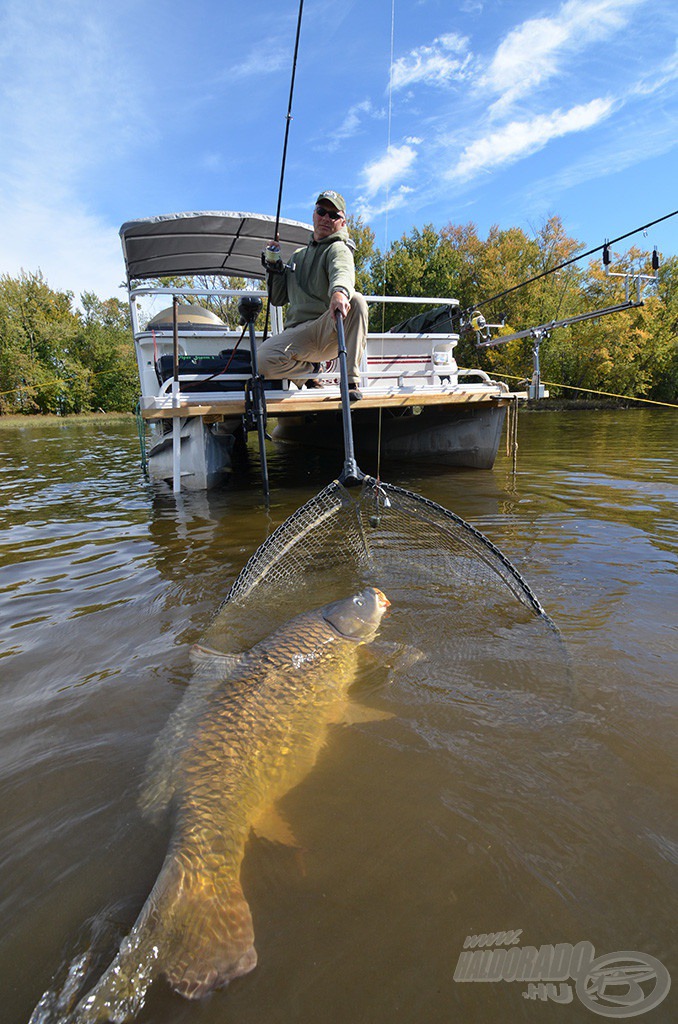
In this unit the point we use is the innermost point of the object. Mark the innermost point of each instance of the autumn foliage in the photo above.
(55, 357)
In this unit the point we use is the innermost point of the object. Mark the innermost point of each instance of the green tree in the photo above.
(618, 352)
(103, 346)
(55, 359)
(363, 236)
(421, 263)
(37, 324)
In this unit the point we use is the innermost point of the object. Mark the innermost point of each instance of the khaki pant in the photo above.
(299, 347)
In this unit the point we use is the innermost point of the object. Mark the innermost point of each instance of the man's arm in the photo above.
(341, 274)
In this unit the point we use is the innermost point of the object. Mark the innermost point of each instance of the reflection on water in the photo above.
(506, 792)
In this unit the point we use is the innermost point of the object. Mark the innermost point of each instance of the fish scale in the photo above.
(256, 735)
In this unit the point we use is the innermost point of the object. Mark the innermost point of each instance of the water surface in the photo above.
(509, 790)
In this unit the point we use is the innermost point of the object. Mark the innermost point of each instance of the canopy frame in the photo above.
(214, 243)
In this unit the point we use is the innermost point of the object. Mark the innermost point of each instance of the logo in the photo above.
(615, 985)
(623, 984)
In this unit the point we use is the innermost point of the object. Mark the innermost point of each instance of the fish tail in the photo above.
(195, 929)
(208, 935)
(120, 993)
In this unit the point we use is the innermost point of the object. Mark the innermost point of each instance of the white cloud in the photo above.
(65, 94)
(519, 139)
(75, 250)
(367, 209)
(68, 108)
(211, 162)
(445, 60)
(277, 59)
(657, 77)
(629, 143)
(352, 124)
(384, 172)
(533, 52)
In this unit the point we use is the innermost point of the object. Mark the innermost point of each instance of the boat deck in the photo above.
(281, 403)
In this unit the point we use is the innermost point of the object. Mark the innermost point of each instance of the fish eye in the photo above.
(359, 601)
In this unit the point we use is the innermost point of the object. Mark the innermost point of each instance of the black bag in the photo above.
(434, 321)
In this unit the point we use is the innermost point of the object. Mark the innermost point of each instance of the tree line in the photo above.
(632, 353)
(55, 358)
(58, 358)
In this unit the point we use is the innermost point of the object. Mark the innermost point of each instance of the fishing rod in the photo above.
(288, 120)
(255, 399)
(575, 259)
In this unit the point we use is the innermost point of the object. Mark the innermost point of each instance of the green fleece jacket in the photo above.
(312, 274)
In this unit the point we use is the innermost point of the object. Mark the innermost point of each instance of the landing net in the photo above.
(381, 535)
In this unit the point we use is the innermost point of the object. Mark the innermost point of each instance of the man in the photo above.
(318, 282)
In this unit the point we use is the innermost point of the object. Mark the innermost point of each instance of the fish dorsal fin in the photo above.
(209, 664)
(210, 669)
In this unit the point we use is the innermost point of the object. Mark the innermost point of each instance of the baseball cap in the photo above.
(333, 197)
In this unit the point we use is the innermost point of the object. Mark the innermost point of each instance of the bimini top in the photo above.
(223, 243)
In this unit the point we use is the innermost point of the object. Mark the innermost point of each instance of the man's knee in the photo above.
(267, 360)
(356, 323)
(262, 360)
(359, 306)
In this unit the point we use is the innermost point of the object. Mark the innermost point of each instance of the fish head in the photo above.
(357, 617)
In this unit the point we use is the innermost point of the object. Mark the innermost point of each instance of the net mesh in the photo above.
(382, 535)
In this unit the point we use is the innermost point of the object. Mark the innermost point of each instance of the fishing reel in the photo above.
(483, 331)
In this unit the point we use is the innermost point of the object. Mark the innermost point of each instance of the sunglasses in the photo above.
(322, 212)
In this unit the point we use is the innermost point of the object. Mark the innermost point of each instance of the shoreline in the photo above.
(23, 418)
(583, 404)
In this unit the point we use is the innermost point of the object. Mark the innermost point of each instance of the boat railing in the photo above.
(392, 359)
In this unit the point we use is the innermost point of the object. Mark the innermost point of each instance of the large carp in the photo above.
(257, 724)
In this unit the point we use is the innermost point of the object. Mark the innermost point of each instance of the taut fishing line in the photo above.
(567, 263)
(386, 236)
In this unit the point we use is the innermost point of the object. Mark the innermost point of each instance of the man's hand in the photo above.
(272, 259)
(339, 302)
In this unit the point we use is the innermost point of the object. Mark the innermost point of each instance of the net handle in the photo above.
(351, 474)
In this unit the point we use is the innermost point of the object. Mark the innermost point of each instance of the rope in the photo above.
(591, 391)
(141, 432)
(512, 433)
(49, 383)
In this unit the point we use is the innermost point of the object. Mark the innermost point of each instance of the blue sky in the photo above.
(502, 112)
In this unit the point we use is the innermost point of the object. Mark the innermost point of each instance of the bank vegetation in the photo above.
(60, 358)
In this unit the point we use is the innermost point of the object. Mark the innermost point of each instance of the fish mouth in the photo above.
(382, 598)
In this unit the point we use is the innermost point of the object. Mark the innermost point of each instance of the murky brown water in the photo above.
(502, 795)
